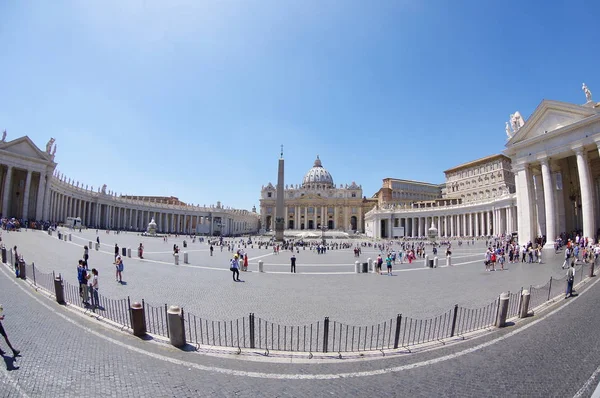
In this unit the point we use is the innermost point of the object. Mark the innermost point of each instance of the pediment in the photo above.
(25, 147)
(550, 116)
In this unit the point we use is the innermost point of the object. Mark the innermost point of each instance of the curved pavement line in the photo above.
(288, 376)
(272, 272)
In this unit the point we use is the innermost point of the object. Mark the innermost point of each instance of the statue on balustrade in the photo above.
(588, 93)
(49, 145)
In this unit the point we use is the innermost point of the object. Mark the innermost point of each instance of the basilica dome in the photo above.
(318, 175)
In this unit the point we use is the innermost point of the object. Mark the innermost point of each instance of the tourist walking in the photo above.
(82, 279)
(245, 262)
(388, 262)
(234, 267)
(211, 249)
(568, 253)
(3, 333)
(570, 279)
(94, 286)
(119, 269)
(293, 264)
(141, 251)
(116, 253)
(378, 264)
(86, 255)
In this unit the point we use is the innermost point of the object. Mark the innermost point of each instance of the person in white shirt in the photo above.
(94, 288)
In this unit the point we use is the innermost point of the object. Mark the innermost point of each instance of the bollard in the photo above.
(129, 252)
(65, 237)
(49, 232)
(357, 267)
(4, 255)
(427, 260)
(370, 261)
(448, 260)
(525, 296)
(22, 269)
(69, 237)
(435, 262)
(176, 256)
(185, 258)
(502, 310)
(90, 245)
(176, 327)
(138, 319)
(260, 266)
(97, 246)
(59, 290)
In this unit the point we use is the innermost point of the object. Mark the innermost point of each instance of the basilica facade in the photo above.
(32, 189)
(317, 203)
(545, 183)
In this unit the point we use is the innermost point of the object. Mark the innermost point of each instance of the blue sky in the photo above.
(194, 98)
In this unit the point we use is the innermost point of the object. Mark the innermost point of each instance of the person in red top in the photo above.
(246, 262)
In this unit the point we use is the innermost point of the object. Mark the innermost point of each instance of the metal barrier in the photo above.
(321, 336)
(470, 320)
(156, 319)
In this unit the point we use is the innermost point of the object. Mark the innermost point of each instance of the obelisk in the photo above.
(280, 208)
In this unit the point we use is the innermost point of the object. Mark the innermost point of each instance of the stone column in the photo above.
(39, 202)
(587, 201)
(26, 195)
(7, 192)
(413, 230)
(490, 224)
(524, 204)
(452, 225)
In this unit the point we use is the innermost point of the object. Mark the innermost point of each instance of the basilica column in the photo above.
(39, 203)
(26, 195)
(439, 225)
(587, 202)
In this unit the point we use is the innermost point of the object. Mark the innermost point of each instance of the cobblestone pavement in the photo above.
(63, 354)
(205, 287)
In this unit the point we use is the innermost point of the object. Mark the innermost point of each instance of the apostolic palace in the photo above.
(546, 182)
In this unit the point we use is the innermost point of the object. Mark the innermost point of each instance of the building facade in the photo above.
(477, 199)
(316, 203)
(405, 192)
(546, 182)
(32, 189)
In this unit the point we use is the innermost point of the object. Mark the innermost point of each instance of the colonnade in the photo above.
(471, 220)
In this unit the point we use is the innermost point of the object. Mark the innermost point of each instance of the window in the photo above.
(270, 194)
(354, 194)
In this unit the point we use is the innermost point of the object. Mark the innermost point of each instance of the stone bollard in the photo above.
(97, 246)
(129, 252)
(138, 319)
(4, 258)
(176, 326)
(435, 262)
(59, 290)
(427, 260)
(370, 261)
(357, 267)
(260, 266)
(65, 237)
(176, 256)
(502, 310)
(185, 258)
(525, 296)
(49, 232)
(448, 261)
(90, 245)
(22, 269)
(69, 237)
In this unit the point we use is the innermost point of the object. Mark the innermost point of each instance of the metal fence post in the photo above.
(549, 289)
(325, 333)
(167, 319)
(454, 320)
(33, 268)
(397, 336)
(252, 330)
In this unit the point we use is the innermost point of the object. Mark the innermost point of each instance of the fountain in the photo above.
(432, 233)
(151, 228)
